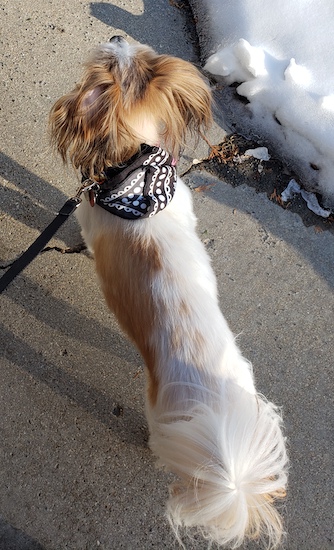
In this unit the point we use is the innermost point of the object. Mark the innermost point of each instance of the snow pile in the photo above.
(281, 53)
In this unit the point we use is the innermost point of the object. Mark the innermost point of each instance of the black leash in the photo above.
(139, 189)
(38, 245)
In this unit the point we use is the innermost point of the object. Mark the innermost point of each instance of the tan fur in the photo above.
(118, 258)
(101, 133)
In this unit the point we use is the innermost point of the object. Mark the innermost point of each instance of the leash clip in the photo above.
(90, 188)
(87, 185)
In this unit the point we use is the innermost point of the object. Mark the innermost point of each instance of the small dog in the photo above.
(123, 126)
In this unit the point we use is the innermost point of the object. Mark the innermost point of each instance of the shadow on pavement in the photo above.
(153, 26)
(100, 405)
(14, 539)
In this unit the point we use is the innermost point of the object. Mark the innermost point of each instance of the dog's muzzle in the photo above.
(117, 39)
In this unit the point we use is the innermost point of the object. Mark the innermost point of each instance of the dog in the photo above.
(123, 127)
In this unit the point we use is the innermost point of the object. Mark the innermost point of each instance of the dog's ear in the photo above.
(87, 127)
(182, 100)
(76, 126)
(64, 122)
(90, 100)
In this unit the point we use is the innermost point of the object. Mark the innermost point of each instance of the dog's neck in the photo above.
(146, 128)
(140, 188)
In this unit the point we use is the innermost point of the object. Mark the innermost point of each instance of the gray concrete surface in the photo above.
(76, 472)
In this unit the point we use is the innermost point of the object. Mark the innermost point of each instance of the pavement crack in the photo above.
(9, 263)
(67, 250)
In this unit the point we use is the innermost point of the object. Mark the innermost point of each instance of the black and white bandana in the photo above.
(141, 188)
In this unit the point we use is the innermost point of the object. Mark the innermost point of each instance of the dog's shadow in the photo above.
(154, 26)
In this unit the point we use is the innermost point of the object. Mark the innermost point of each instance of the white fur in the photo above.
(208, 426)
(122, 49)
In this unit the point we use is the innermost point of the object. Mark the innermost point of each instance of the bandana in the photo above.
(142, 187)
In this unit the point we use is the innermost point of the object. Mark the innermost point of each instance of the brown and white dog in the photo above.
(208, 425)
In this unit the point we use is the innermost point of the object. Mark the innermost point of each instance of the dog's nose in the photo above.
(117, 39)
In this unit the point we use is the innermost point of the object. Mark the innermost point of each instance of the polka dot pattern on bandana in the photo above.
(142, 187)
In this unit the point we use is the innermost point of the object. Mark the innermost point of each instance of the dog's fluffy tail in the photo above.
(231, 463)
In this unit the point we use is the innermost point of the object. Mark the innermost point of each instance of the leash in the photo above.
(35, 248)
(140, 188)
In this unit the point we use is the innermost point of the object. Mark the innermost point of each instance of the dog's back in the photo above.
(208, 424)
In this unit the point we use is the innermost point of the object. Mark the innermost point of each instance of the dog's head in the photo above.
(128, 95)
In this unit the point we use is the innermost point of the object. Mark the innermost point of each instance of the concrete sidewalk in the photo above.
(76, 472)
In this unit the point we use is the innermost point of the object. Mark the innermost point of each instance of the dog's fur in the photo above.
(208, 424)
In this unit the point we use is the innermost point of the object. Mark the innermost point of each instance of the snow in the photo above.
(311, 200)
(281, 54)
